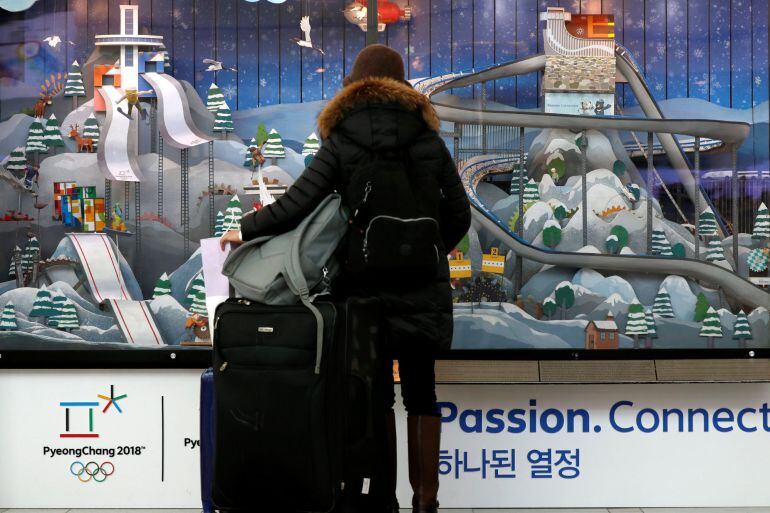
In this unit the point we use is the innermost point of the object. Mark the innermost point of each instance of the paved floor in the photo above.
(586, 510)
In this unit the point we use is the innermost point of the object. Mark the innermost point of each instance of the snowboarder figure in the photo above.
(31, 176)
(132, 97)
(601, 107)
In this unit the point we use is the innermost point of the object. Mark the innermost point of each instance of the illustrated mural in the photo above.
(130, 130)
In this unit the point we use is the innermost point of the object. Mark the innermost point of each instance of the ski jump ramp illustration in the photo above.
(174, 118)
(117, 152)
(101, 266)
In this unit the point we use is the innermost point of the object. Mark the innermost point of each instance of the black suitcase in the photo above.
(288, 439)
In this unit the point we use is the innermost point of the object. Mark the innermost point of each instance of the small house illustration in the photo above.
(602, 334)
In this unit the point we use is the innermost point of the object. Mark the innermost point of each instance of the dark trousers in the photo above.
(416, 368)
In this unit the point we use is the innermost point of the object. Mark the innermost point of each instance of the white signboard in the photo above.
(584, 104)
(130, 439)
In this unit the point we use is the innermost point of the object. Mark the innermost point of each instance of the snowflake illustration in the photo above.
(262, 82)
(698, 53)
(229, 91)
(177, 13)
(679, 53)
(658, 87)
(580, 31)
(290, 8)
(660, 48)
(758, 80)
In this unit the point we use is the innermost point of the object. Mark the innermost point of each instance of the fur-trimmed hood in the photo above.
(378, 93)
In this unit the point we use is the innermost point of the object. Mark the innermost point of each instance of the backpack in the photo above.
(395, 222)
(293, 267)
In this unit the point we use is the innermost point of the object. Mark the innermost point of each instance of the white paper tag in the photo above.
(365, 486)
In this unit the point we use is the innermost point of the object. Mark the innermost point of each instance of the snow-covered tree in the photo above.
(662, 304)
(707, 223)
(52, 135)
(219, 225)
(67, 318)
(12, 266)
(761, 223)
(43, 305)
(58, 302)
(17, 162)
(8, 318)
(742, 329)
(215, 98)
(197, 284)
(274, 146)
(549, 306)
(516, 172)
(660, 244)
(30, 255)
(233, 214)
(223, 121)
(198, 304)
(652, 329)
(531, 192)
(711, 327)
(551, 233)
(312, 145)
(35, 138)
(162, 286)
(247, 156)
(74, 85)
(715, 252)
(91, 130)
(636, 325)
(564, 293)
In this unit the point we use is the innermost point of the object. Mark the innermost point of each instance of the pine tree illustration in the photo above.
(59, 300)
(662, 304)
(707, 223)
(652, 329)
(660, 244)
(233, 214)
(43, 305)
(223, 121)
(52, 134)
(742, 329)
(549, 306)
(31, 255)
(711, 327)
(247, 157)
(636, 325)
(196, 285)
(35, 138)
(198, 305)
(17, 162)
(516, 172)
(74, 86)
(715, 251)
(220, 225)
(531, 192)
(162, 286)
(67, 319)
(761, 223)
(215, 98)
(312, 145)
(91, 130)
(8, 318)
(12, 266)
(274, 146)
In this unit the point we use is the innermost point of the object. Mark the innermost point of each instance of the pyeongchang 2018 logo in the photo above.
(79, 414)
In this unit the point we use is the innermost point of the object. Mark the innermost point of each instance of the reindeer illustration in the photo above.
(83, 144)
(52, 86)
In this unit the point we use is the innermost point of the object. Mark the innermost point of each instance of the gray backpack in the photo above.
(294, 266)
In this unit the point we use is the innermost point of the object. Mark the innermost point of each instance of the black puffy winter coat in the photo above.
(380, 114)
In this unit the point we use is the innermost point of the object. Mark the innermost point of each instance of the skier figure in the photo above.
(31, 176)
(132, 97)
(601, 107)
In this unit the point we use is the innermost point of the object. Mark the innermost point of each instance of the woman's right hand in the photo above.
(231, 236)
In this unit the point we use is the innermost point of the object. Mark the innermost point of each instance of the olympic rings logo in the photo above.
(92, 470)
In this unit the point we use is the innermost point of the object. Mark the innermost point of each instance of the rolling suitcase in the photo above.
(207, 438)
(289, 438)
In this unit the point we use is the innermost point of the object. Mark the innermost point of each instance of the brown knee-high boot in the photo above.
(424, 447)
(390, 424)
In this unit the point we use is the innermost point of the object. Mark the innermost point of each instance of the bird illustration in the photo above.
(53, 41)
(306, 42)
(217, 66)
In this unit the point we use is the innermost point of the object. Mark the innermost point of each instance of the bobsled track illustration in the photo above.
(117, 148)
(629, 70)
(474, 170)
(174, 118)
(101, 266)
